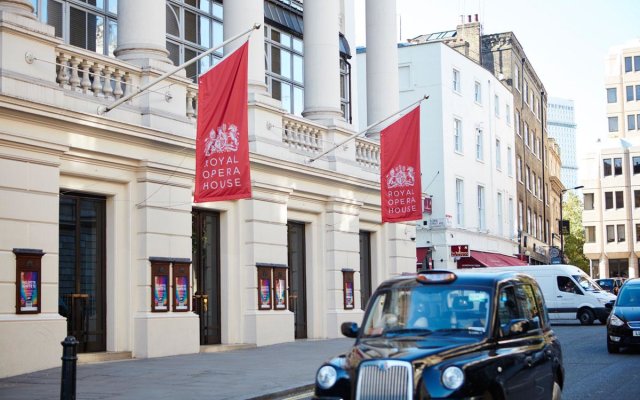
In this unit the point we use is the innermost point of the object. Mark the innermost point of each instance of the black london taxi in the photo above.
(449, 334)
(623, 324)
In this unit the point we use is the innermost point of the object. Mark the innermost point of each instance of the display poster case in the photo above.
(348, 289)
(28, 280)
(280, 287)
(181, 295)
(160, 286)
(264, 287)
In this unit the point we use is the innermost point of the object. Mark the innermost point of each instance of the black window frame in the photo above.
(617, 166)
(608, 200)
(607, 167)
(636, 164)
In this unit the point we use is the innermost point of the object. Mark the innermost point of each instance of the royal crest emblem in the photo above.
(224, 139)
(400, 176)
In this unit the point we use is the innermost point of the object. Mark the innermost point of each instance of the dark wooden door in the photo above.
(82, 269)
(365, 268)
(206, 271)
(297, 273)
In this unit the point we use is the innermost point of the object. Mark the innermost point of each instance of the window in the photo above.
(519, 168)
(534, 229)
(284, 73)
(606, 166)
(526, 134)
(638, 92)
(619, 200)
(627, 64)
(508, 114)
(496, 106)
(612, 95)
(90, 25)
(518, 124)
(611, 234)
(345, 90)
(588, 201)
(520, 216)
(498, 155)
(509, 161)
(629, 93)
(621, 233)
(479, 145)
(539, 188)
(540, 227)
(481, 208)
(631, 122)
(608, 200)
(636, 63)
(500, 216)
(510, 211)
(457, 135)
(478, 93)
(460, 202)
(613, 124)
(527, 182)
(456, 81)
(526, 92)
(529, 220)
(637, 232)
(636, 165)
(567, 285)
(636, 198)
(516, 78)
(590, 234)
(192, 31)
(617, 166)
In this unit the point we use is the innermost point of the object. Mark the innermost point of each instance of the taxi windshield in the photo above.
(428, 310)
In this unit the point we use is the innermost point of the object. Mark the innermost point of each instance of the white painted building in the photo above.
(561, 124)
(467, 151)
(611, 215)
(95, 205)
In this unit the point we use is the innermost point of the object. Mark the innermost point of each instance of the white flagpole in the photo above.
(366, 129)
(105, 109)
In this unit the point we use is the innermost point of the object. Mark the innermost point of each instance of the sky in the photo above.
(566, 41)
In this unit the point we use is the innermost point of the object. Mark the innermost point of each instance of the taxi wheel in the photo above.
(557, 391)
(586, 317)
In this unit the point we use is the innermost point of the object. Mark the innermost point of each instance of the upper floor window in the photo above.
(285, 77)
(588, 201)
(613, 124)
(612, 95)
(518, 124)
(636, 63)
(91, 25)
(456, 81)
(606, 167)
(477, 93)
(631, 122)
(480, 145)
(481, 208)
(191, 30)
(497, 106)
(457, 135)
(590, 234)
(617, 166)
(509, 161)
(519, 168)
(460, 202)
(636, 165)
(627, 64)
(508, 113)
(516, 78)
(498, 154)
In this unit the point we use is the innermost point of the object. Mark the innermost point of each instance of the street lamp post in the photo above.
(562, 220)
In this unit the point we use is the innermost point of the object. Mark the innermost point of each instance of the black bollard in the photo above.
(69, 359)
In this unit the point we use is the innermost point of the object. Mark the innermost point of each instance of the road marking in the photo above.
(300, 396)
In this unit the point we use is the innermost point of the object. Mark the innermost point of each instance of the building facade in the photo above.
(612, 180)
(504, 57)
(562, 128)
(97, 208)
(467, 155)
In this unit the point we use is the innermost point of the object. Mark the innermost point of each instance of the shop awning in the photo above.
(481, 259)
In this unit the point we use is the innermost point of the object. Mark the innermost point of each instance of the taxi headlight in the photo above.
(326, 377)
(452, 378)
(615, 321)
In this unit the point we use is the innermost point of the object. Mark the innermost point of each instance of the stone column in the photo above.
(603, 267)
(19, 7)
(140, 43)
(321, 60)
(382, 60)
(240, 15)
(633, 265)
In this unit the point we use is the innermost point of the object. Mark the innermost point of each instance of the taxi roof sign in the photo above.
(435, 276)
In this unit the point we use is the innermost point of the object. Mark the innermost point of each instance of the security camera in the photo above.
(413, 238)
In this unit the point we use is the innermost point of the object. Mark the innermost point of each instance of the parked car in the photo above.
(445, 334)
(611, 285)
(569, 292)
(623, 324)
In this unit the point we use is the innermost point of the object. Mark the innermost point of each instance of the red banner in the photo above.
(222, 144)
(400, 185)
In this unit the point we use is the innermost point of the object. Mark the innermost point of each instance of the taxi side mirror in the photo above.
(349, 329)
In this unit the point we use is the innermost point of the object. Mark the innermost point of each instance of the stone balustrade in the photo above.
(368, 153)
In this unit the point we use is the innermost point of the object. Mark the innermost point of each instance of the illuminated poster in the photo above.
(28, 291)
(182, 302)
(265, 293)
(280, 296)
(160, 298)
(348, 295)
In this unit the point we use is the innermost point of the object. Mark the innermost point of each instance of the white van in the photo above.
(568, 292)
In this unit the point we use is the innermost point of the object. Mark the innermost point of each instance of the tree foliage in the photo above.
(574, 242)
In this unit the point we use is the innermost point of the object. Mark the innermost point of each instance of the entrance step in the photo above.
(86, 358)
(215, 348)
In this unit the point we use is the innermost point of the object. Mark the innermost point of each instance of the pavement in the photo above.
(258, 373)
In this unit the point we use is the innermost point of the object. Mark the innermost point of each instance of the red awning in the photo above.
(480, 259)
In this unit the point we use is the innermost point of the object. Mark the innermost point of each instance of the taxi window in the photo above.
(518, 303)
